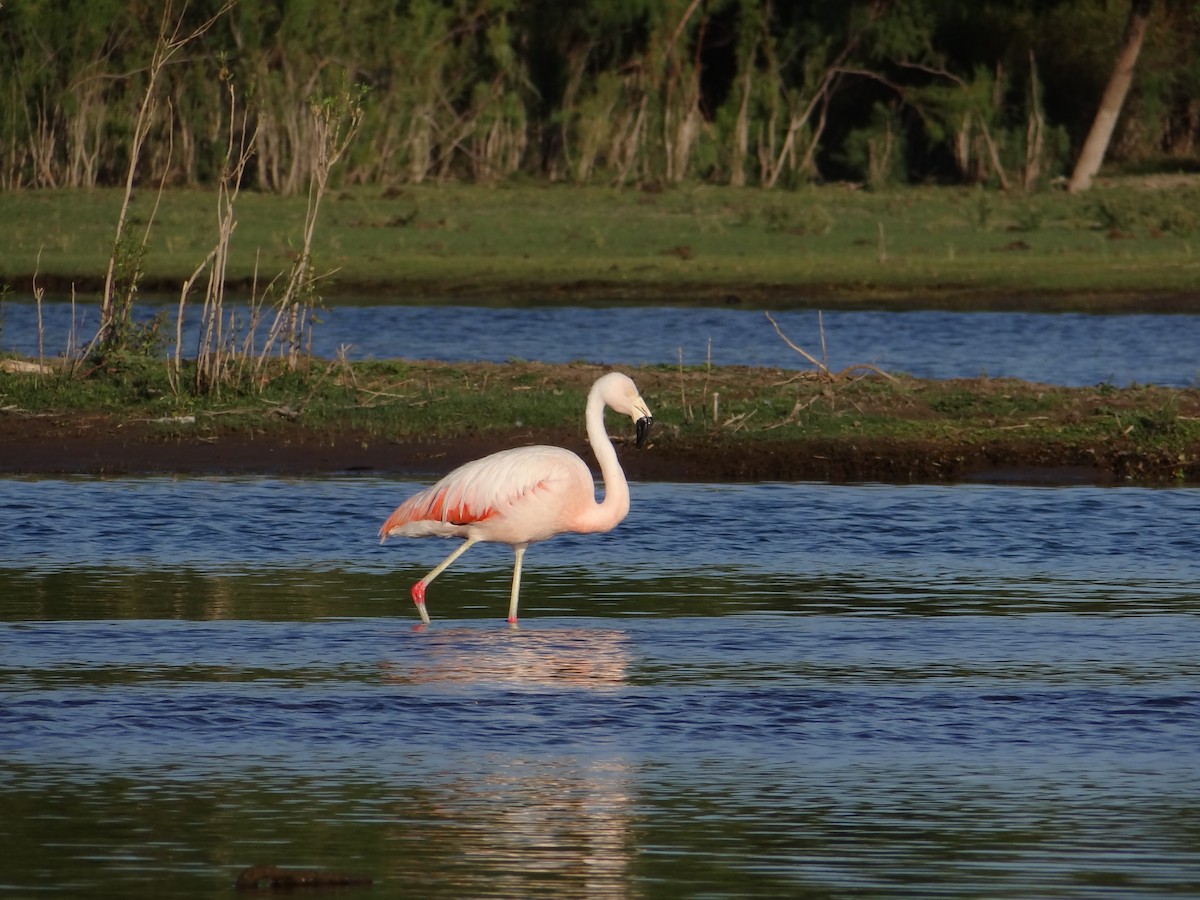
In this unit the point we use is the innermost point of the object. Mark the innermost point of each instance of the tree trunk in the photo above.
(741, 130)
(1096, 144)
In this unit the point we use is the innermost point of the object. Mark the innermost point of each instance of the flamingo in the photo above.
(526, 494)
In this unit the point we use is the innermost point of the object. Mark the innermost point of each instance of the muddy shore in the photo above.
(103, 445)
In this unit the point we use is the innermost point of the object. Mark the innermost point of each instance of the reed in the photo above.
(216, 353)
(335, 121)
(125, 262)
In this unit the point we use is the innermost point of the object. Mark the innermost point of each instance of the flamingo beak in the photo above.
(643, 429)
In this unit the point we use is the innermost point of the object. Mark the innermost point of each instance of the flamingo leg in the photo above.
(418, 589)
(519, 550)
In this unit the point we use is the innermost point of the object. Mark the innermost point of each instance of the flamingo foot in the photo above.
(418, 595)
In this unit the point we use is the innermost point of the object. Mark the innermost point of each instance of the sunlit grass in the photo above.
(404, 401)
(689, 243)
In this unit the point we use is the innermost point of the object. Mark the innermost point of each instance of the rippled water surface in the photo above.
(1064, 348)
(745, 690)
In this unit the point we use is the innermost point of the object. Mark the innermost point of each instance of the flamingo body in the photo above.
(517, 496)
(526, 494)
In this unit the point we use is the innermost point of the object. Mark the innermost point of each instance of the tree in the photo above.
(1094, 148)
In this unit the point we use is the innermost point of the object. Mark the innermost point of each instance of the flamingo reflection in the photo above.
(569, 658)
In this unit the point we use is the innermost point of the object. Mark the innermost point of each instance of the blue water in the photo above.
(1062, 348)
(744, 690)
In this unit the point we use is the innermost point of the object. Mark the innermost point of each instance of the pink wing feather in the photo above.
(480, 490)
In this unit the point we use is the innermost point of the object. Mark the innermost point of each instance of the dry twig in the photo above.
(812, 359)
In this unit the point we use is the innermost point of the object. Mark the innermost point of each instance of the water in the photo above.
(745, 690)
(1063, 348)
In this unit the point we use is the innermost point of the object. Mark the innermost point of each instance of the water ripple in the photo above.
(873, 690)
(1056, 348)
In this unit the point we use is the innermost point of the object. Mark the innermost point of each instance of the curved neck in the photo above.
(615, 505)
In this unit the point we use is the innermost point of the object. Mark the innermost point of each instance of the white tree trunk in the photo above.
(1096, 145)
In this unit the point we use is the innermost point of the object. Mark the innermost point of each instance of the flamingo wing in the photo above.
(483, 490)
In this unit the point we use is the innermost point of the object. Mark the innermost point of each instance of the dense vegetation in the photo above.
(609, 91)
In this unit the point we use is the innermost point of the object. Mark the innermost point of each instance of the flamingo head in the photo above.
(620, 393)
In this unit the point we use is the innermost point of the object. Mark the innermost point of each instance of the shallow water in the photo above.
(1061, 348)
(745, 690)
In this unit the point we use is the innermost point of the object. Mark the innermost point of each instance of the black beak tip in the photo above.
(643, 429)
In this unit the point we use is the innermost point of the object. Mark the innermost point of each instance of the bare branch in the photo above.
(812, 359)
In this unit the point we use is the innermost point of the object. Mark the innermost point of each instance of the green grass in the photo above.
(691, 243)
(890, 427)
(921, 246)
(408, 401)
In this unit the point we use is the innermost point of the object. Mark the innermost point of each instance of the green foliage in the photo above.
(874, 154)
(122, 338)
(636, 91)
(1158, 423)
(131, 355)
(1158, 211)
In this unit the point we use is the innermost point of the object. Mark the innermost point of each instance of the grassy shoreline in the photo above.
(1129, 246)
(719, 424)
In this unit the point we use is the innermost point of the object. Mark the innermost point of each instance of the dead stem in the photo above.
(683, 404)
(812, 359)
(38, 293)
(738, 422)
(822, 368)
(846, 372)
(707, 375)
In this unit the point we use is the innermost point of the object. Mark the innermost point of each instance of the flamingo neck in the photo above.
(615, 505)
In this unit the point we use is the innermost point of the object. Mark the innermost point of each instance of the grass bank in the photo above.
(1132, 245)
(718, 424)
(1129, 244)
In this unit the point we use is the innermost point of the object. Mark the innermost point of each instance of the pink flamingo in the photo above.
(526, 494)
